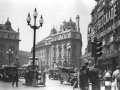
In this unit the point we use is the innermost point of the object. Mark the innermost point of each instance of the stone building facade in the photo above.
(23, 57)
(61, 48)
(9, 40)
(105, 25)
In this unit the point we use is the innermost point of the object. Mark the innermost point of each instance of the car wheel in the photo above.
(61, 82)
(54, 78)
(71, 83)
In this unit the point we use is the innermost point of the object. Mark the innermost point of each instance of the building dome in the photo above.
(53, 31)
(8, 23)
(69, 23)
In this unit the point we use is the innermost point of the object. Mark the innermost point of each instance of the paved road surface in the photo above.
(50, 85)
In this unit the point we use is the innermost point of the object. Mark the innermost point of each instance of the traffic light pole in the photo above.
(95, 58)
(96, 49)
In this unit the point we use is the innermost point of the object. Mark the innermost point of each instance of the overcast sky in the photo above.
(54, 13)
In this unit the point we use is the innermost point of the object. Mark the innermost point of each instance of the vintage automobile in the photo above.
(1, 74)
(7, 72)
(66, 74)
(54, 74)
(73, 79)
(21, 72)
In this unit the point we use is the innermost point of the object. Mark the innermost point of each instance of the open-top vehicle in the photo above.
(66, 74)
(54, 73)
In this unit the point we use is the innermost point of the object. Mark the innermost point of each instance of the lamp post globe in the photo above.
(41, 21)
(28, 19)
(35, 14)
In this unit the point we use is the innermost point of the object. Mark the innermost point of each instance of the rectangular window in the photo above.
(112, 13)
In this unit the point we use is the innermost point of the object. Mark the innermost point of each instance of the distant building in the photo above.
(105, 25)
(61, 48)
(23, 57)
(9, 42)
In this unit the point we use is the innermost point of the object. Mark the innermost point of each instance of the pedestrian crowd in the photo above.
(35, 77)
(96, 77)
(32, 77)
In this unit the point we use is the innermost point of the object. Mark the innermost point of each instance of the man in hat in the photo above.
(94, 77)
(83, 79)
(87, 72)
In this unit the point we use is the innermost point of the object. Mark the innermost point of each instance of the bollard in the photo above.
(107, 81)
(107, 85)
(112, 86)
(90, 86)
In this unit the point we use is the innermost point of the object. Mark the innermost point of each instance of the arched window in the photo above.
(8, 36)
(60, 49)
(54, 49)
(2, 51)
(65, 51)
(65, 64)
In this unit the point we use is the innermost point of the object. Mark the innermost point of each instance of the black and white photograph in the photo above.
(59, 44)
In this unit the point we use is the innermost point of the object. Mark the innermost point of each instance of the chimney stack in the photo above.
(77, 23)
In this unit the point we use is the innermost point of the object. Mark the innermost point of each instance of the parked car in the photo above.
(7, 72)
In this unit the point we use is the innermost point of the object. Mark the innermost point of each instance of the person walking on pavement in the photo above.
(78, 78)
(75, 78)
(44, 76)
(87, 72)
(94, 77)
(83, 79)
(116, 76)
(15, 78)
(34, 79)
(26, 77)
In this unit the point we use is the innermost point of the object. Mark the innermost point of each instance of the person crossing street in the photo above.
(83, 79)
(94, 77)
(15, 78)
(44, 76)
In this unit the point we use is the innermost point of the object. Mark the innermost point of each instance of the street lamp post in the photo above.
(9, 52)
(17, 61)
(34, 28)
(41, 64)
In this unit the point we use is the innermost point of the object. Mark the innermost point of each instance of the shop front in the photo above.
(109, 61)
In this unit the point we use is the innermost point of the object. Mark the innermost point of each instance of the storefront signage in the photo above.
(101, 6)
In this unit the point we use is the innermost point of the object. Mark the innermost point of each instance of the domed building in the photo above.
(9, 44)
(61, 48)
(53, 31)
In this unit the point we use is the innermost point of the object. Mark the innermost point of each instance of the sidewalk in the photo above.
(102, 87)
